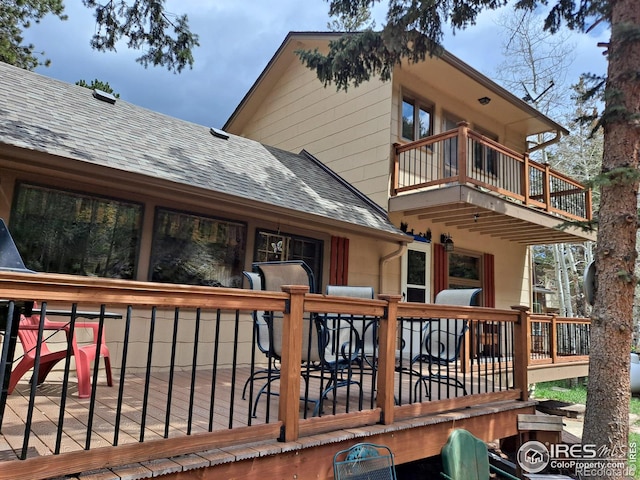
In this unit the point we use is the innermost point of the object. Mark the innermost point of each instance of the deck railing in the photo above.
(556, 339)
(467, 157)
(182, 355)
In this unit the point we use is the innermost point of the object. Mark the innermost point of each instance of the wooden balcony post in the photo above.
(387, 339)
(554, 338)
(522, 350)
(526, 181)
(395, 179)
(546, 185)
(290, 366)
(463, 135)
(588, 204)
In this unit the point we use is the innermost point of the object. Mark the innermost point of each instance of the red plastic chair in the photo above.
(85, 354)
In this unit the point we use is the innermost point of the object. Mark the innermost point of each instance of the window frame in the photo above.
(317, 266)
(212, 218)
(419, 105)
(461, 282)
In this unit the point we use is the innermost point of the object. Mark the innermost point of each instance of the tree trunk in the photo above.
(559, 283)
(568, 301)
(607, 414)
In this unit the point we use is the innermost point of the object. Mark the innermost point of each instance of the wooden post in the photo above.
(396, 170)
(387, 339)
(546, 186)
(468, 349)
(526, 185)
(588, 207)
(522, 349)
(290, 366)
(463, 135)
(554, 338)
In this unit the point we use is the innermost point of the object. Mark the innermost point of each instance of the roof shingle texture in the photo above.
(43, 114)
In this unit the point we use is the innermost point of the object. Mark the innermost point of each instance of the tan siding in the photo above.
(347, 131)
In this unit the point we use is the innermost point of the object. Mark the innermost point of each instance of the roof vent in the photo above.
(216, 132)
(104, 96)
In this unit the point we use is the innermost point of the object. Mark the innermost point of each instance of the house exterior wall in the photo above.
(431, 91)
(512, 272)
(300, 113)
(353, 132)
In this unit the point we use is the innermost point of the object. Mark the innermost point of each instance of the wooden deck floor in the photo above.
(138, 423)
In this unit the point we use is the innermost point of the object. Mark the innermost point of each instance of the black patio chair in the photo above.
(272, 276)
(443, 340)
(261, 332)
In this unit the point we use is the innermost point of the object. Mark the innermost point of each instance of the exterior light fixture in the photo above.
(447, 242)
(484, 100)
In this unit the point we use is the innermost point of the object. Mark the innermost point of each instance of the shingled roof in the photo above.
(46, 115)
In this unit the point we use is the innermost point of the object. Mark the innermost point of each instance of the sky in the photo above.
(237, 40)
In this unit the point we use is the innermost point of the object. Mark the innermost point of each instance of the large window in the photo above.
(416, 119)
(465, 270)
(276, 246)
(65, 232)
(197, 250)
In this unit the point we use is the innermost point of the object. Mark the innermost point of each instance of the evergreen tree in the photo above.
(145, 25)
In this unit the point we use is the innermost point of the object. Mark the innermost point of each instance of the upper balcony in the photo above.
(461, 177)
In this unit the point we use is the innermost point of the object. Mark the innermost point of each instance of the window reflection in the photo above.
(59, 231)
(197, 250)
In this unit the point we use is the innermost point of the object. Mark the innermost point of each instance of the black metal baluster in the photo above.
(172, 367)
(214, 372)
(94, 383)
(123, 366)
(236, 335)
(194, 367)
(147, 378)
(65, 377)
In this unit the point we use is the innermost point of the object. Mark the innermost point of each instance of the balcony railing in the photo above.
(467, 157)
(182, 355)
(558, 340)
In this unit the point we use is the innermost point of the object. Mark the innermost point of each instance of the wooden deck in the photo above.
(156, 426)
(164, 427)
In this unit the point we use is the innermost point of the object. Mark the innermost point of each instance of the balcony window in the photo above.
(197, 250)
(59, 231)
(278, 246)
(416, 119)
